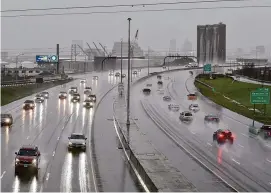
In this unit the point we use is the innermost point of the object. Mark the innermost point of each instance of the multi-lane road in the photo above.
(245, 165)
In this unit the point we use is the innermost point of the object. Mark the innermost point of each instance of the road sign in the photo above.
(207, 68)
(259, 97)
(46, 58)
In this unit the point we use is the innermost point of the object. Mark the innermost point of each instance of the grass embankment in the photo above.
(10, 94)
(237, 91)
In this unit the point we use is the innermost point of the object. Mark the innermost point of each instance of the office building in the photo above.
(211, 43)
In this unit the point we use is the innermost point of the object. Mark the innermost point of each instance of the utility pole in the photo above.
(129, 74)
(148, 61)
(75, 53)
(57, 53)
(121, 61)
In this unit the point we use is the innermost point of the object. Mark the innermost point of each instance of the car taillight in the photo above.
(220, 135)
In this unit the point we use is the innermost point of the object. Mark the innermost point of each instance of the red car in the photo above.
(27, 157)
(222, 136)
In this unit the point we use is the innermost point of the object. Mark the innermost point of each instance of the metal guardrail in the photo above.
(204, 84)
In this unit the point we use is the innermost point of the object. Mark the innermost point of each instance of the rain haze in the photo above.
(246, 27)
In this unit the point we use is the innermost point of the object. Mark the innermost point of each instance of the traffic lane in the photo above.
(245, 148)
(112, 163)
(48, 134)
(200, 177)
(245, 174)
(244, 140)
(74, 175)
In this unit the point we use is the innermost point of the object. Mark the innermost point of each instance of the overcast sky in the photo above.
(245, 27)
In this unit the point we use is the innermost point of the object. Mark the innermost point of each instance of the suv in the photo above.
(266, 130)
(27, 157)
(77, 140)
(160, 82)
(29, 104)
(117, 74)
(146, 91)
(186, 116)
(6, 119)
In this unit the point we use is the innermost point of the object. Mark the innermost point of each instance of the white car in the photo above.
(87, 91)
(73, 90)
(134, 72)
(194, 107)
(111, 73)
(95, 77)
(62, 95)
(117, 74)
(167, 98)
(174, 107)
(45, 94)
(186, 116)
(78, 141)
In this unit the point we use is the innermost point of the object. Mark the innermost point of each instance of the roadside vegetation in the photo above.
(235, 96)
(10, 94)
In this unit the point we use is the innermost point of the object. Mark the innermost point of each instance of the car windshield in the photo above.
(27, 152)
(5, 115)
(76, 95)
(73, 88)
(74, 136)
(188, 114)
(195, 105)
(44, 93)
(92, 96)
(62, 92)
(29, 101)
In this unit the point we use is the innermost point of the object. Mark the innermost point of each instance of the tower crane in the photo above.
(97, 49)
(104, 49)
(91, 51)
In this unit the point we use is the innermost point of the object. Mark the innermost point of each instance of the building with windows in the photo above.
(211, 43)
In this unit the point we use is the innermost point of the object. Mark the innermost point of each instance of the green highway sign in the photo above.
(260, 97)
(207, 68)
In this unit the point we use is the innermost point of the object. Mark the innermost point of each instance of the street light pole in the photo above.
(17, 65)
(121, 61)
(129, 74)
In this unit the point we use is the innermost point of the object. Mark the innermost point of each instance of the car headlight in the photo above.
(17, 160)
(7, 120)
(70, 143)
(85, 103)
(34, 161)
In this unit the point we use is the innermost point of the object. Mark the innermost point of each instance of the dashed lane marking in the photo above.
(27, 137)
(58, 138)
(268, 160)
(244, 135)
(54, 153)
(193, 132)
(240, 145)
(47, 176)
(235, 161)
(3, 174)
(210, 144)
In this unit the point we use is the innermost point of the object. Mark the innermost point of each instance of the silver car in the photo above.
(186, 116)
(77, 141)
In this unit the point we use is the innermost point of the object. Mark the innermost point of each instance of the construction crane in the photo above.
(103, 49)
(85, 57)
(91, 51)
(97, 49)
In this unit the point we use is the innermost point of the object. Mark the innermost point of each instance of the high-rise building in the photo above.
(211, 43)
(187, 47)
(172, 46)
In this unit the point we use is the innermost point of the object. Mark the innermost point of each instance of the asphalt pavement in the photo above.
(48, 126)
(245, 164)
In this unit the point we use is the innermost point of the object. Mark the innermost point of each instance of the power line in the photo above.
(148, 10)
(121, 5)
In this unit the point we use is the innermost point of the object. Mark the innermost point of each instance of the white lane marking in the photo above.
(47, 176)
(3, 174)
(268, 145)
(27, 137)
(235, 161)
(268, 160)
(58, 138)
(193, 132)
(244, 135)
(54, 153)
(210, 144)
(240, 145)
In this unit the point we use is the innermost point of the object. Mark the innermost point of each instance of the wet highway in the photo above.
(245, 165)
(48, 126)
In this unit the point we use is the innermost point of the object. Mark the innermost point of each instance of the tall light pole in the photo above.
(121, 60)
(129, 74)
(17, 65)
